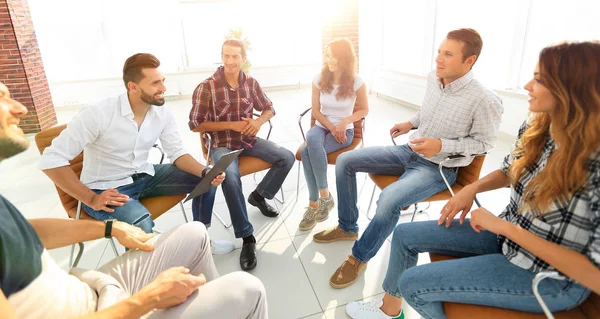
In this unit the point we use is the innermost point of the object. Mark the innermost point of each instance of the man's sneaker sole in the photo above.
(336, 286)
(307, 228)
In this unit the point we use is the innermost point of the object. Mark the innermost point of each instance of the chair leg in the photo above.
(298, 181)
(183, 211)
(79, 254)
(221, 220)
(114, 247)
(371, 202)
(414, 212)
(71, 264)
(282, 200)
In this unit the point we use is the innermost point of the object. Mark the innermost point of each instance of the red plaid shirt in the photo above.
(214, 100)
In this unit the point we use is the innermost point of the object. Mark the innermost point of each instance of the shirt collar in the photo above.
(220, 77)
(126, 110)
(458, 83)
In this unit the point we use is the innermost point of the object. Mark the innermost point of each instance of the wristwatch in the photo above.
(108, 227)
(206, 169)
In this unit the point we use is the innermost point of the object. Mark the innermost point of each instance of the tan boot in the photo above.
(347, 273)
(333, 234)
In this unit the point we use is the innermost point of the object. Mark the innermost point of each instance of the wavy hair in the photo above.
(571, 72)
(343, 51)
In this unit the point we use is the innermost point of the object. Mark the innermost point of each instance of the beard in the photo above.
(150, 99)
(12, 146)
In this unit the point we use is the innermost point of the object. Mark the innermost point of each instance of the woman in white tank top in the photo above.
(339, 98)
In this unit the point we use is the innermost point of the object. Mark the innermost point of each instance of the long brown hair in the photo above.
(343, 51)
(571, 72)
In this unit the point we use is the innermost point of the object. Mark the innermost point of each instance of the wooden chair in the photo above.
(466, 175)
(246, 164)
(331, 157)
(155, 205)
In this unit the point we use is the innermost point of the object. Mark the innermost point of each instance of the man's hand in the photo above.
(110, 197)
(217, 180)
(252, 126)
(401, 129)
(461, 202)
(339, 134)
(172, 287)
(426, 145)
(238, 126)
(131, 236)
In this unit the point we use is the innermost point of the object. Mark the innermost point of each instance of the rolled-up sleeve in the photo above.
(261, 101)
(170, 138)
(594, 245)
(83, 129)
(200, 105)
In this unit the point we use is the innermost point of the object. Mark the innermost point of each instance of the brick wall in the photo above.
(343, 23)
(21, 67)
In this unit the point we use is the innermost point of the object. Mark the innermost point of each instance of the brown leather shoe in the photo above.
(333, 234)
(347, 273)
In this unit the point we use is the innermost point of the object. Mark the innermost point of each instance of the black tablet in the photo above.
(205, 184)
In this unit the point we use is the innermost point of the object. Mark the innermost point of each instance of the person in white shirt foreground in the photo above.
(168, 276)
(116, 136)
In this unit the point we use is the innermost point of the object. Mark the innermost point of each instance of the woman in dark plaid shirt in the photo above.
(551, 223)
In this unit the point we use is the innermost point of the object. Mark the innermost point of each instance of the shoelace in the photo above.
(372, 305)
(310, 212)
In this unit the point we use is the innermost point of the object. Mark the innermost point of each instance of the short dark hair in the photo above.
(132, 69)
(235, 43)
(471, 40)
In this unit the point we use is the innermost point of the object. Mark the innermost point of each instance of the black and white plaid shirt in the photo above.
(572, 222)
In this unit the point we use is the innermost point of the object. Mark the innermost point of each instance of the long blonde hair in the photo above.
(571, 72)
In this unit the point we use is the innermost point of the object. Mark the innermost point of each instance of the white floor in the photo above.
(294, 269)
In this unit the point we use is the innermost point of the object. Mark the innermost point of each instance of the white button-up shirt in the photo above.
(464, 114)
(114, 148)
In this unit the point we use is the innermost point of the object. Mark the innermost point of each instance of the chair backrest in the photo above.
(470, 173)
(358, 125)
(44, 139)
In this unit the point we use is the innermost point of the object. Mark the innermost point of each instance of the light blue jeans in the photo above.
(483, 276)
(319, 143)
(167, 180)
(419, 179)
(282, 160)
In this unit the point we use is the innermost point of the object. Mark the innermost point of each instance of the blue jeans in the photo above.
(419, 179)
(282, 160)
(482, 277)
(319, 143)
(167, 180)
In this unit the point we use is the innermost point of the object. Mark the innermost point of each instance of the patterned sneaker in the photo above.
(369, 310)
(347, 273)
(333, 234)
(325, 206)
(308, 221)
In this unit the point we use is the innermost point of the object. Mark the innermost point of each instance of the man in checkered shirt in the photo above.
(223, 106)
(458, 116)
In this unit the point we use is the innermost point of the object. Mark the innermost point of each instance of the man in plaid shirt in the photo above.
(223, 106)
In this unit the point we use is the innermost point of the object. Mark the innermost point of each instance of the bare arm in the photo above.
(569, 262)
(316, 109)
(65, 179)
(188, 164)
(363, 106)
(219, 126)
(6, 309)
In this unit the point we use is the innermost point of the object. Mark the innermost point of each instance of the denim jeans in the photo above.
(482, 277)
(167, 180)
(319, 143)
(282, 160)
(419, 179)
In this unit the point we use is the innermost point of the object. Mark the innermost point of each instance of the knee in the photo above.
(195, 232)
(399, 237)
(288, 159)
(389, 203)
(304, 153)
(409, 283)
(232, 175)
(250, 285)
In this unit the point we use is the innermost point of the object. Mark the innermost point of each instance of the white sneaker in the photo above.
(369, 310)
(221, 247)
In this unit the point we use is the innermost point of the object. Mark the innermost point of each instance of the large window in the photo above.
(90, 39)
(513, 32)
